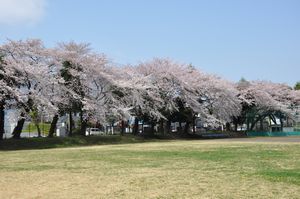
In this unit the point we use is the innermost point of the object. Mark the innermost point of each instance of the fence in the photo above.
(274, 134)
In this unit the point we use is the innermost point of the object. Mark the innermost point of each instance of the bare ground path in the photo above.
(293, 139)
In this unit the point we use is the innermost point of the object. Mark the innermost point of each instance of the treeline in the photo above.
(71, 78)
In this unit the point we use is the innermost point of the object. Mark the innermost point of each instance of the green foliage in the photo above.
(73, 83)
(243, 80)
(65, 73)
(297, 86)
(31, 127)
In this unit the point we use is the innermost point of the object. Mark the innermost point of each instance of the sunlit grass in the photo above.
(31, 127)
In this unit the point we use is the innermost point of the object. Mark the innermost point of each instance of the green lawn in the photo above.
(32, 128)
(174, 169)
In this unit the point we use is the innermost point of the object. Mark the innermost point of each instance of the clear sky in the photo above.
(254, 39)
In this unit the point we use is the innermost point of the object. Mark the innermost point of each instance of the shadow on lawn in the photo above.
(47, 143)
(77, 141)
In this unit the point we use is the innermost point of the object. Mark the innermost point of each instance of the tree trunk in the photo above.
(53, 126)
(228, 127)
(112, 127)
(235, 126)
(143, 130)
(2, 131)
(281, 123)
(161, 127)
(273, 119)
(136, 126)
(194, 124)
(180, 128)
(261, 125)
(248, 125)
(122, 127)
(255, 122)
(253, 125)
(38, 129)
(168, 126)
(83, 123)
(129, 128)
(152, 131)
(83, 127)
(186, 128)
(71, 124)
(18, 129)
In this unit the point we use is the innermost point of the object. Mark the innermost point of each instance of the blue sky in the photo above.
(254, 39)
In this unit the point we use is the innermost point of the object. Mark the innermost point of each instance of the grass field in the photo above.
(174, 169)
(32, 128)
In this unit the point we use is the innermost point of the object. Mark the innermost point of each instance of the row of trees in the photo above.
(71, 78)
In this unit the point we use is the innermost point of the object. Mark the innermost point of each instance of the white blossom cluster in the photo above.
(31, 79)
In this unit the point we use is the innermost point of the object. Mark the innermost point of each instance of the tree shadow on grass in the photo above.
(76, 141)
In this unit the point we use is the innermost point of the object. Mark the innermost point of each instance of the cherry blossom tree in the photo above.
(28, 65)
(156, 87)
(180, 91)
(217, 97)
(71, 78)
(138, 95)
(8, 92)
(261, 99)
(90, 78)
